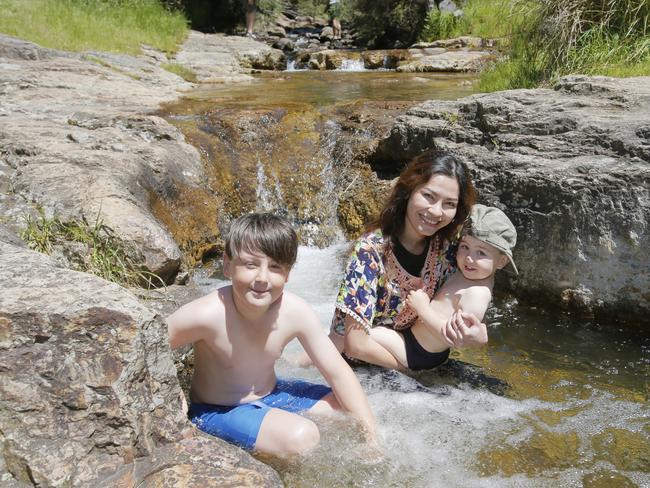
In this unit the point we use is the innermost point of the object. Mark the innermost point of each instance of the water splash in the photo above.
(352, 65)
(268, 195)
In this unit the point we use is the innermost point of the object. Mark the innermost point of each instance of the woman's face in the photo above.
(432, 206)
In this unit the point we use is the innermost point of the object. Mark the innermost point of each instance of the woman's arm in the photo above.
(359, 345)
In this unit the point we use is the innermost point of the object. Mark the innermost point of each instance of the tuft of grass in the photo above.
(100, 25)
(562, 37)
(178, 69)
(485, 19)
(103, 253)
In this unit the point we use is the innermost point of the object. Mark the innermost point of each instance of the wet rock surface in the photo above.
(570, 166)
(89, 394)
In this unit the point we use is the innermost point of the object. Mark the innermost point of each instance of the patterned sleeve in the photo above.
(359, 290)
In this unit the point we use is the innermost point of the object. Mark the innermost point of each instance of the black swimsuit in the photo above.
(417, 357)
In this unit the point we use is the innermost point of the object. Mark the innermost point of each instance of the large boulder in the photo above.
(570, 166)
(88, 389)
(79, 140)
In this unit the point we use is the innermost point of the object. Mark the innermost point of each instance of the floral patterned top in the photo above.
(375, 286)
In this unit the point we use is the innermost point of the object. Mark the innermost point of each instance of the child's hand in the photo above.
(465, 330)
(418, 300)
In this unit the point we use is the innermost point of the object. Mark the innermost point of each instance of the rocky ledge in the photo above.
(571, 166)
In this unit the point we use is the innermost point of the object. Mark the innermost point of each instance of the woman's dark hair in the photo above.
(418, 172)
(269, 234)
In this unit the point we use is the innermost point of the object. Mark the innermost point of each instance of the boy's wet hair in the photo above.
(267, 233)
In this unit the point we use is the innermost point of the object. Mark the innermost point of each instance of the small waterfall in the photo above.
(352, 65)
(268, 196)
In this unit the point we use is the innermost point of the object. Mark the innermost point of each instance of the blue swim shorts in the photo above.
(241, 424)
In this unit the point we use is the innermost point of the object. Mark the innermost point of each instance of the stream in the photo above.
(552, 401)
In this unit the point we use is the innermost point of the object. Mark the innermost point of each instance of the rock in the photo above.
(89, 394)
(569, 165)
(455, 43)
(12, 48)
(327, 34)
(266, 59)
(215, 57)
(276, 31)
(285, 44)
(437, 60)
(387, 59)
(285, 22)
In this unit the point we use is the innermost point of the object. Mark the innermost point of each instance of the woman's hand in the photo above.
(418, 300)
(465, 330)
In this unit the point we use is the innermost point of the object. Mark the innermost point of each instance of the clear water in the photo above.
(549, 402)
(320, 88)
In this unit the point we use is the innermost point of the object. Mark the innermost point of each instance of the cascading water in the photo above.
(352, 65)
(268, 196)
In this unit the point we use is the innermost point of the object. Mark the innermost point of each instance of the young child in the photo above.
(240, 330)
(485, 247)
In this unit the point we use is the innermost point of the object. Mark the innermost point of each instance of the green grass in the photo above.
(481, 18)
(101, 25)
(562, 37)
(102, 252)
(178, 69)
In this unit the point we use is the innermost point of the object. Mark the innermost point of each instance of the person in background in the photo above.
(251, 10)
(334, 11)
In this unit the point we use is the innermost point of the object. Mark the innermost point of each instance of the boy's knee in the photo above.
(302, 438)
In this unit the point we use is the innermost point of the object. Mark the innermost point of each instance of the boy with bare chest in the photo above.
(240, 330)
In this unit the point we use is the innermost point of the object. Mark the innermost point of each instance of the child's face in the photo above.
(478, 260)
(256, 278)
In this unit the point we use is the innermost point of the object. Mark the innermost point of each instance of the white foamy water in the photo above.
(352, 65)
(436, 433)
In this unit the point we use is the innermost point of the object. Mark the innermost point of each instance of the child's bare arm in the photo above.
(188, 324)
(465, 327)
(336, 371)
(433, 314)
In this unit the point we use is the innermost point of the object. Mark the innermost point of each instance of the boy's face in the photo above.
(478, 260)
(256, 278)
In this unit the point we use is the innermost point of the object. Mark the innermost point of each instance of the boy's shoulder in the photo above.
(212, 305)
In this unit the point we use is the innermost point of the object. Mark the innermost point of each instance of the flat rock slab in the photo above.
(438, 59)
(571, 166)
(218, 58)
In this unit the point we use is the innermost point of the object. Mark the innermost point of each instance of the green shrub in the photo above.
(102, 25)
(439, 25)
(562, 37)
(386, 23)
(102, 252)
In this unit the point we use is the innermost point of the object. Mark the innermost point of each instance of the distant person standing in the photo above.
(334, 10)
(251, 9)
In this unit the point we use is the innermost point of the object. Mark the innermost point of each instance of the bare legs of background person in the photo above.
(251, 8)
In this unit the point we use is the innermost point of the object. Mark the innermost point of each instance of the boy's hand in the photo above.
(418, 300)
(465, 330)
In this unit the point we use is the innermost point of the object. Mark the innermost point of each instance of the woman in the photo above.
(406, 248)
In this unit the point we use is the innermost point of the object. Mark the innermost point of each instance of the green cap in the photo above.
(491, 225)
